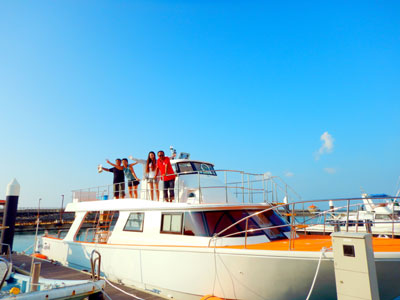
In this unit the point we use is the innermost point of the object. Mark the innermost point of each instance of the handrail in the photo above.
(93, 262)
(294, 225)
(256, 187)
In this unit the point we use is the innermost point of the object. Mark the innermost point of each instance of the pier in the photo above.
(55, 271)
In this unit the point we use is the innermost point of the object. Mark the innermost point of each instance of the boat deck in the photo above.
(51, 270)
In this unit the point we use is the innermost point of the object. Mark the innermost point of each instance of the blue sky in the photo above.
(246, 85)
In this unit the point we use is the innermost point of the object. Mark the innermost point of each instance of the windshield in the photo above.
(209, 223)
(190, 167)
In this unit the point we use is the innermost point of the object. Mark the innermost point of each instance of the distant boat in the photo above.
(14, 285)
(381, 219)
(312, 208)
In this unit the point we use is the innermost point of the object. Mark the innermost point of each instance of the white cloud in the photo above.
(327, 145)
(330, 170)
(267, 175)
(289, 174)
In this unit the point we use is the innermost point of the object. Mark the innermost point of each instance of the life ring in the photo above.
(39, 255)
(210, 297)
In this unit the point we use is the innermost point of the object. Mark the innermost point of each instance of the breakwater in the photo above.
(50, 219)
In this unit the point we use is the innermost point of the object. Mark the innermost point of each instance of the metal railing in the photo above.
(235, 185)
(300, 225)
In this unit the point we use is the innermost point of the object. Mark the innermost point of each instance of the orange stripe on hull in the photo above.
(302, 243)
(317, 242)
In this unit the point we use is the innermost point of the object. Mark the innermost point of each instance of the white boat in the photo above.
(218, 238)
(378, 214)
(17, 286)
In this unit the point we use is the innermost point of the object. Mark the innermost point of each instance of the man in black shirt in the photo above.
(119, 179)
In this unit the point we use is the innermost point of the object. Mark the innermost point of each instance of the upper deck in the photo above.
(197, 182)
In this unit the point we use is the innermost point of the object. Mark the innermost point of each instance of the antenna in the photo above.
(173, 151)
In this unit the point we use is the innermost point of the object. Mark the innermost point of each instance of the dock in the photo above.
(56, 271)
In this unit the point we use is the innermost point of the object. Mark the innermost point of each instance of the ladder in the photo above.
(102, 230)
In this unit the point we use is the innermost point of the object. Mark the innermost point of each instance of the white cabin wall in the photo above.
(79, 216)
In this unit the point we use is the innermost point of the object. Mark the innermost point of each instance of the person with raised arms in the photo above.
(119, 179)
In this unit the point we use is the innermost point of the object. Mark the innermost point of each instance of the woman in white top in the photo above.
(151, 175)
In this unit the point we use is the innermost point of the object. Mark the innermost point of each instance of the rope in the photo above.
(31, 246)
(105, 294)
(323, 250)
(122, 291)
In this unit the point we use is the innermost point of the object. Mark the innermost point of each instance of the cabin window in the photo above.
(186, 168)
(194, 224)
(135, 222)
(171, 223)
(97, 226)
(203, 168)
(191, 167)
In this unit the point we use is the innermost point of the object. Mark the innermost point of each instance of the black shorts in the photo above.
(133, 183)
(169, 185)
(119, 190)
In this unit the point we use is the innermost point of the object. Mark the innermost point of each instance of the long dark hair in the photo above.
(152, 161)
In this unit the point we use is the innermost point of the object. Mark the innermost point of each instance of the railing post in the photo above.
(292, 231)
(348, 215)
(248, 185)
(263, 181)
(272, 190)
(198, 174)
(324, 221)
(178, 187)
(358, 210)
(286, 194)
(245, 234)
(242, 186)
(393, 220)
(226, 188)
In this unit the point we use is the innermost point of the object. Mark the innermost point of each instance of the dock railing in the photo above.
(344, 215)
(230, 186)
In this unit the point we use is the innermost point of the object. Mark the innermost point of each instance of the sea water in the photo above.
(24, 241)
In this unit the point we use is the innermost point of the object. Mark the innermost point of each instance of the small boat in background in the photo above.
(378, 214)
(15, 285)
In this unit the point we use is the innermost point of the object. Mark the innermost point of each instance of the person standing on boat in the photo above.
(150, 171)
(119, 179)
(167, 175)
(133, 180)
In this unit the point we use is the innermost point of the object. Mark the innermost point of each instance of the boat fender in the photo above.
(15, 291)
(210, 297)
(39, 255)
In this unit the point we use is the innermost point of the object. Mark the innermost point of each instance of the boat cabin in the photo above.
(146, 222)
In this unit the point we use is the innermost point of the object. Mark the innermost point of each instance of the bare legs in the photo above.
(151, 190)
(157, 191)
(130, 192)
(154, 186)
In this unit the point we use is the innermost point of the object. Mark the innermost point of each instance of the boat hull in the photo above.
(192, 272)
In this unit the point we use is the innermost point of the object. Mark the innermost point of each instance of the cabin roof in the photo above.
(175, 161)
(138, 204)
